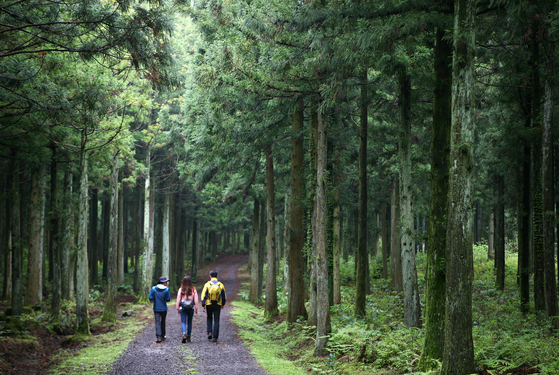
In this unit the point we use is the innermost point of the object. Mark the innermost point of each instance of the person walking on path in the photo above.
(160, 295)
(213, 300)
(187, 305)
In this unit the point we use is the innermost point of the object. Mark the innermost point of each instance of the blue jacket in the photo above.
(159, 295)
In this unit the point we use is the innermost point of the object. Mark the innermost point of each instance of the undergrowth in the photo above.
(505, 340)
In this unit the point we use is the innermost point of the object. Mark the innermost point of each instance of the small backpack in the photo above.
(187, 304)
(214, 291)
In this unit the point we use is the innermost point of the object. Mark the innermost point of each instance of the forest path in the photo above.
(201, 356)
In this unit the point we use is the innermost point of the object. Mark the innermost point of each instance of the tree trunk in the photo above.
(194, 247)
(395, 253)
(271, 308)
(17, 246)
(121, 257)
(253, 293)
(286, 239)
(311, 238)
(548, 195)
(384, 242)
(82, 286)
(137, 225)
(433, 347)
(412, 310)
(262, 247)
(68, 230)
(34, 290)
(337, 247)
(458, 355)
(93, 252)
(524, 232)
(296, 307)
(106, 220)
(361, 259)
(109, 310)
(323, 328)
(166, 246)
(7, 244)
(491, 242)
(500, 235)
(147, 254)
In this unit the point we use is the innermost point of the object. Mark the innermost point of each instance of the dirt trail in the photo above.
(201, 356)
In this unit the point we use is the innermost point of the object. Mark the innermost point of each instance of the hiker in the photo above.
(160, 295)
(187, 305)
(213, 300)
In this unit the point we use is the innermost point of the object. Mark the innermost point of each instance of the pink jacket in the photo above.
(193, 296)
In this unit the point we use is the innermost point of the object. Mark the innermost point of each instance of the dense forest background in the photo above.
(139, 138)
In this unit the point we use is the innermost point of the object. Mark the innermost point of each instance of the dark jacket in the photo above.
(159, 295)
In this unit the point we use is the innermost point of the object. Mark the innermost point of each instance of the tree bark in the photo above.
(34, 290)
(271, 307)
(433, 347)
(17, 248)
(361, 259)
(121, 257)
(337, 247)
(412, 310)
(548, 195)
(286, 239)
(384, 242)
(500, 235)
(458, 355)
(323, 304)
(395, 253)
(253, 293)
(109, 309)
(262, 247)
(166, 246)
(491, 242)
(194, 247)
(296, 307)
(311, 237)
(147, 254)
(93, 252)
(82, 285)
(68, 230)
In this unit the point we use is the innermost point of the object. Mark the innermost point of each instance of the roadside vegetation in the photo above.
(505, 340)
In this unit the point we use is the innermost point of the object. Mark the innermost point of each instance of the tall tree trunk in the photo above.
(491, 241)
(147, 254)
(106, 220)
(17, 246)
(337, 247)
(524, 230)
(262, 247)
(537, 215)
(34, 290)
(323, 328)
(286, 239)
(384, 241)
(68, 230)
(458, 355)
(194, 254)
(311, 237)
(271, 308)
(121, 256)
(54, 242)
(109, 310)
(82, 285)
(93, 252)
(137, 225)
(433, 347)
(165, 259)
(361, 259)
(395, 253)
(296, 307)
(253, 293)
(412, 310)
(548, 195)
(7, 244)
(500, 235)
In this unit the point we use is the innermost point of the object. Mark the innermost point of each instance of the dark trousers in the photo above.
(213, 311)
(160, 318)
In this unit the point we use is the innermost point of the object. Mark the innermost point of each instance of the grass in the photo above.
(505, 340)
(97, 353)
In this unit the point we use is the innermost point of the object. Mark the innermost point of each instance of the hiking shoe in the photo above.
(158, 339)
(209, 336)
(214, 339)
(187, 338)
(184, 339)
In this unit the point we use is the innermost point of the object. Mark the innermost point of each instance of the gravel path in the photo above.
(201, 356)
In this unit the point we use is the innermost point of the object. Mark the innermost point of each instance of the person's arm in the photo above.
(178, 300)
(204, 296)
(150, 297)
(223, 295)
(168, 296)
